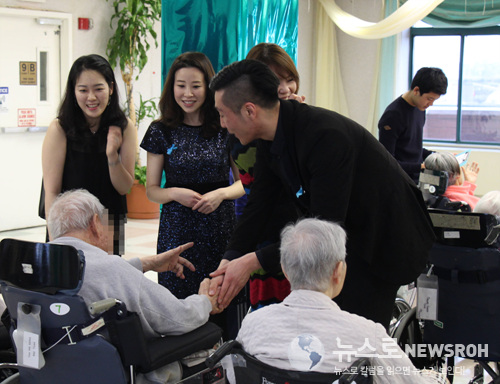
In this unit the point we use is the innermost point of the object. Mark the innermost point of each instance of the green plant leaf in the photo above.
(140, 174)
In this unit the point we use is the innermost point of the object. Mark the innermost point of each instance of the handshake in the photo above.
(228, 280)
(204, 290)
(225, 283)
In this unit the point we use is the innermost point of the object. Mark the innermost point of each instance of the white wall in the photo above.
(357, 59)
(305, 50)
(84, 42)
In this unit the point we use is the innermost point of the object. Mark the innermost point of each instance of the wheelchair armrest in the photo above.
(126, 334)
(168, 349)
(455, 206)
(222, 351)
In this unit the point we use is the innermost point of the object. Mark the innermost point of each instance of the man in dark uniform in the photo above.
(335, 170)
(401, 127)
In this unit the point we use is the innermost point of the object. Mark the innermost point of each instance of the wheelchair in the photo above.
(242, 368)
(466, 261)
(57, 338)
(433, 185)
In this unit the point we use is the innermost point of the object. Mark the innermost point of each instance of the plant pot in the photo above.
(138, 204)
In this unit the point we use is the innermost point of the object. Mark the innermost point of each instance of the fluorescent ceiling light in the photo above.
(48, 21)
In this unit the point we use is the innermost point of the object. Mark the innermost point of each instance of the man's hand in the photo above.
(168, 261)
(204, 288)
(235, 274)
(216, 282)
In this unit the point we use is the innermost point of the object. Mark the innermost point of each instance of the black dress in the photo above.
(202, 165)
(86, 166)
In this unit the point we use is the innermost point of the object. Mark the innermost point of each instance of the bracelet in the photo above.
(112, 164)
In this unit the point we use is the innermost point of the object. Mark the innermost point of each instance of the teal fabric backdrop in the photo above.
(465, 13)
(225, 30)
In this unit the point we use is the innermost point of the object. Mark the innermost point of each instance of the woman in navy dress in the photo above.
(188, 144)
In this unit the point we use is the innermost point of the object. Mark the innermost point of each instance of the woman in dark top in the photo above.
(91, 144)
(189, 146)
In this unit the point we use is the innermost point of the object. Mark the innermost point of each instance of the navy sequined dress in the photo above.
(200, 164)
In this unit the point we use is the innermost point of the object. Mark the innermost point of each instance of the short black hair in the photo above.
(430, 79)
(247, 81)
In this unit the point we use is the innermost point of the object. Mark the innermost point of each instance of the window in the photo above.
(470, 58)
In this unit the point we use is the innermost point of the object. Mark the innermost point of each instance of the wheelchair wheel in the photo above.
(13, 379)
(7, 357)
(7, 372)
(401, 307)
(408, 331)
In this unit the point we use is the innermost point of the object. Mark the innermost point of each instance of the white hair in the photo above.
(444, 161)
(310, 251)
(73, 211)
(489, 203)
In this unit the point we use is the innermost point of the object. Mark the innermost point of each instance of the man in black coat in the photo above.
(333, 169)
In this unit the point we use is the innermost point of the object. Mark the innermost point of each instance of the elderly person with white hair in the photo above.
(489, 203)
(77, 218)
(308, 331)
(461, 180)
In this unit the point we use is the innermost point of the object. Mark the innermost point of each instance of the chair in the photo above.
(433, 185)
(249, 370)
(58, 339)
(466, 261)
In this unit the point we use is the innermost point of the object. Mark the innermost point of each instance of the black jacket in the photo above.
(336, 170)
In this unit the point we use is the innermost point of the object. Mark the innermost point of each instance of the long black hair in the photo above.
(71, 117)
(172, 114)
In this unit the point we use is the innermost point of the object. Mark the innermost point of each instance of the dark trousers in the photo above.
(366, 294)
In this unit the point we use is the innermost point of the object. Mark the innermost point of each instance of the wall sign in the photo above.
(26, 117)
(4, 91)
(27, 73)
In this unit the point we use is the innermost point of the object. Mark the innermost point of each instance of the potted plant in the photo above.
(128, 47)
(138, 204)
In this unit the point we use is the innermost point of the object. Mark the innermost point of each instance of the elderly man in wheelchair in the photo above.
(308, 331)
(40, 283)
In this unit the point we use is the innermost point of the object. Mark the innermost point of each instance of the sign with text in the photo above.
(4, 91)
(27, 73)
(26, 117)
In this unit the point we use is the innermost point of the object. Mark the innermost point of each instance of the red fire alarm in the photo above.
(85, 23)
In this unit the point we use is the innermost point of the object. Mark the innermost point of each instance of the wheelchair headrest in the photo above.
(465, 229)
(433, 182)
(40, 267)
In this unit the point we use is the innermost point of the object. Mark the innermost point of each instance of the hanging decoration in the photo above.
(403, 18)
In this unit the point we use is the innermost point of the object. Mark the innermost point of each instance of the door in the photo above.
(30, 92)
